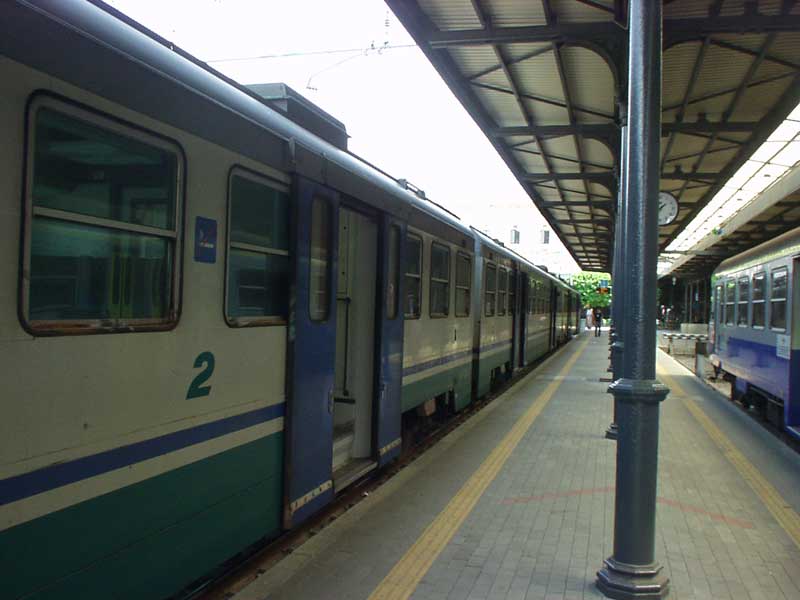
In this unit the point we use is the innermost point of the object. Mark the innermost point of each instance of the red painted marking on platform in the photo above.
(700, 511)
(687, 508)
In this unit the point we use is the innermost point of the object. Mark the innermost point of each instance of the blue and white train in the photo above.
(213, 317)
(755, 329)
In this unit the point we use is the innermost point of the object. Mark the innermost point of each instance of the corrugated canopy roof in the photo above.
(546, 82)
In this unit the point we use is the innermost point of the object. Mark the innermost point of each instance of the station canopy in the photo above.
(546, 81)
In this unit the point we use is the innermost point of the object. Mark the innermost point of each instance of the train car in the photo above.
(213, 316)
(536, 331)
(496, 269)
(439, 319)
(755, 332)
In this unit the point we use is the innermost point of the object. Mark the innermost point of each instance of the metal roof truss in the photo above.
(546, 82)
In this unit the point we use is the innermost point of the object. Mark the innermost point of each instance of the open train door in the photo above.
(311, 353)
(390, 366)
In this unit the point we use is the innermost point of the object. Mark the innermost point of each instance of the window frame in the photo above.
(262, 179)
(716, 300)
(730, 282)
(530, 307)
(115, 125)
(785, 299)
(468, 287)
(413, 236)
(739, 281)
(331, 210)
(392, 305)
(486, 292)
(762, 275)
(511, 291)
(432, 280)
(500, 306)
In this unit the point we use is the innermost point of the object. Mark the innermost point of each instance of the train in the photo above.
(213, 316)
(754, 332)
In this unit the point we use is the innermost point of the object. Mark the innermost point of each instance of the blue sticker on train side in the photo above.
(205, 240)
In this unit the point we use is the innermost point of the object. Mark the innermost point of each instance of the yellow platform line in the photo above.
(788, 519)
(404, 577)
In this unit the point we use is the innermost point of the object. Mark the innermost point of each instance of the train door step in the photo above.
(343, 437)
(351, 472)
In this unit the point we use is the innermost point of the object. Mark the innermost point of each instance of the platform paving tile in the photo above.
(544, 525)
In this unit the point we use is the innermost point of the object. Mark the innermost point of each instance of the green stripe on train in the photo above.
(458, 378)
(149, 539)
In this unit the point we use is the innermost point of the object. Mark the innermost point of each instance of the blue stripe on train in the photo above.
(443, 360)
(758, 365)
(54, 476)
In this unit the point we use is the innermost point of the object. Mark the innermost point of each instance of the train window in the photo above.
(546, 300)
(258, 251)
(759, 285)
(440, 280)
(744, 299)
(393, 272)
(463, 284)
(491, 289)
(777, 299)
(531, 292)
(413, 277)
(319, 258)
(512, 291)
(730, 302)
(102, 230)
(502, 287)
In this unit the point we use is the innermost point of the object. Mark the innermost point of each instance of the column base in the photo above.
(632, 582)
(612, 432)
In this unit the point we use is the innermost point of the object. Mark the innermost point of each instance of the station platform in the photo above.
(518, 502)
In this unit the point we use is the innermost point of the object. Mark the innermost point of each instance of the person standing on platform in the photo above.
(598, 321)
(589, 318)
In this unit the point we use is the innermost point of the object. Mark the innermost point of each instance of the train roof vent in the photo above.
(302, 111)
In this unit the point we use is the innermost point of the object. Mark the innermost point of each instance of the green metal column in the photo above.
(632, 571)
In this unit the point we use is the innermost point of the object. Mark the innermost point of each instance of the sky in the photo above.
(355, 60)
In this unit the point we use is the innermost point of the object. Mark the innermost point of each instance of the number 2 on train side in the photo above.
(197, 389)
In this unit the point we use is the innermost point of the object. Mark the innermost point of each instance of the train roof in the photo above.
(784, 245)
(91, 43)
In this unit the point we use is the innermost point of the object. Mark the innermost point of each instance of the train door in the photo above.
(513, 309)
(354, 379)
(311, 352)
(715, 320)
(390, 365)
(553, 315)
(522, 317)
(792, 406)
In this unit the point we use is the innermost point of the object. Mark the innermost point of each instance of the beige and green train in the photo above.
(213, 317)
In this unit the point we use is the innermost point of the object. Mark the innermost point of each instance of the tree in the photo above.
(587, 283)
